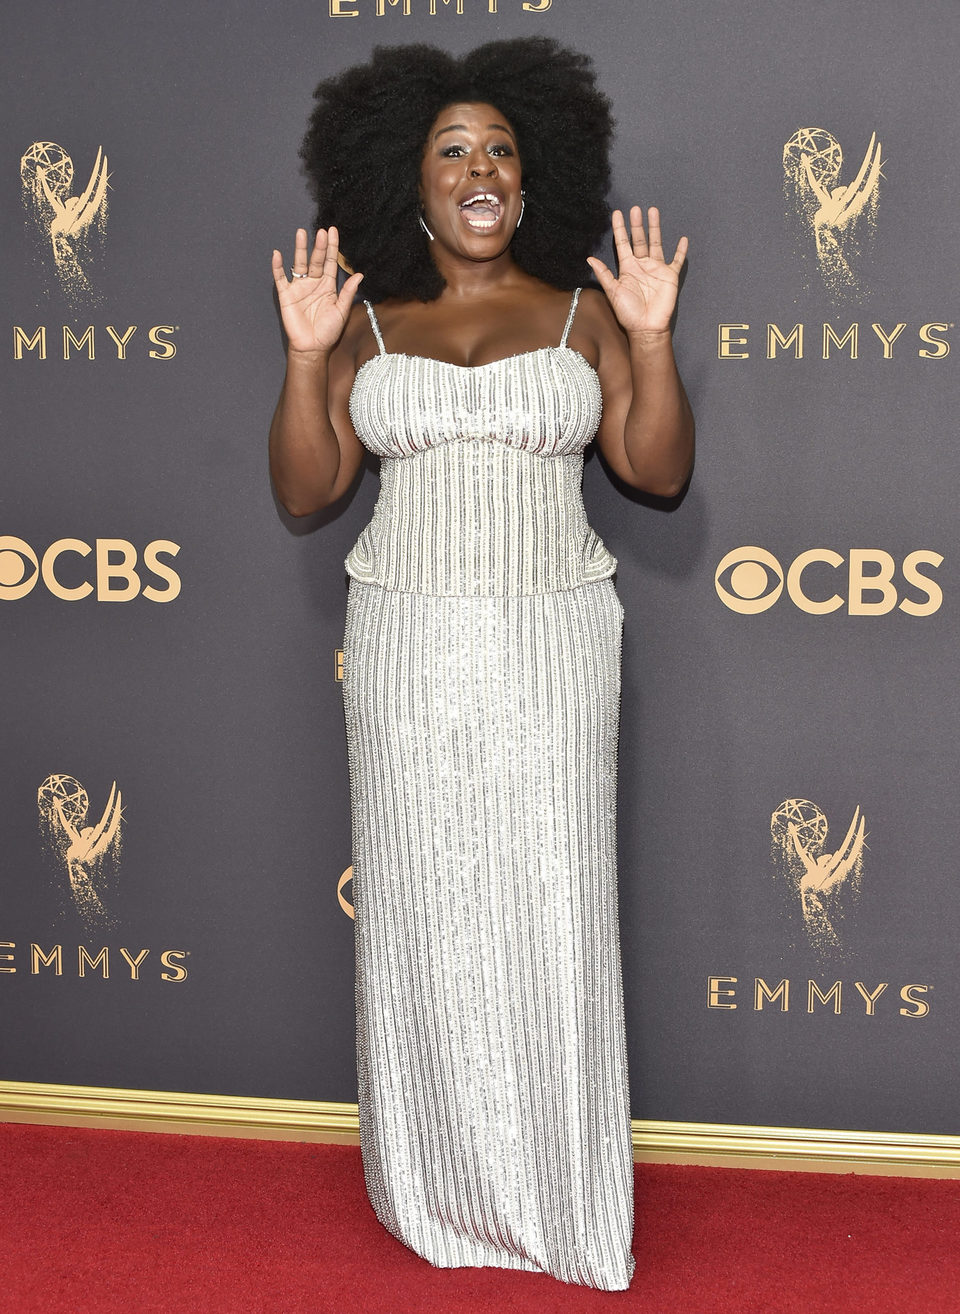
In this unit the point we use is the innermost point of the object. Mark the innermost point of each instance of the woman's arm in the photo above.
(314, 452)
(647, 430)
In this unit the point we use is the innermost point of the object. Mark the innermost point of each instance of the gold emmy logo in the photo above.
(67, 221)
(835, 215)
(89, 853)
(826, 883)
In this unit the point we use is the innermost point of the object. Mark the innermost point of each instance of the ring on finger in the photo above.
(296, 275)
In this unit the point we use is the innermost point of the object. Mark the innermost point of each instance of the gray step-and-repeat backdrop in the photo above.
(174, 826)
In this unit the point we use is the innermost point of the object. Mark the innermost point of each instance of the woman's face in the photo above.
(470, 180)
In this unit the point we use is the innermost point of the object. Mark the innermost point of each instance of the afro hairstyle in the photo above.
(364, 144)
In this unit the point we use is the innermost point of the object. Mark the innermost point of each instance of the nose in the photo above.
(483, 166)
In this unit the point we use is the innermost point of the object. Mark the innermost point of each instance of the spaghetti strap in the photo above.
(376, 328)
(569, 323)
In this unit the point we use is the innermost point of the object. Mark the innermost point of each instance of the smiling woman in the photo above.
(371, 126)
(471, 173)
(482, 646)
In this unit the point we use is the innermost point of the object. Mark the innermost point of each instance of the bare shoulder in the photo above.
(593, 309)
(358, 343)
(596, 333)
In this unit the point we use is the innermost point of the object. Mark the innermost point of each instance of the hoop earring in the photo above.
(523, 206)
(425, 228)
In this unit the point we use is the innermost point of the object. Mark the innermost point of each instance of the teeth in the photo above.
(479, 198)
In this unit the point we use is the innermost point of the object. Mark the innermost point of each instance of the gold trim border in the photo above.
(901, 1154)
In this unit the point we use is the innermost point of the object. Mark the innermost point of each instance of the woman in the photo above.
(482, 647)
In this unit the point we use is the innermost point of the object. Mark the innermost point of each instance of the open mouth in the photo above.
(482, 210)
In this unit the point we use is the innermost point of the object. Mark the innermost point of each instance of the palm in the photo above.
(644, 295)
(314, 313)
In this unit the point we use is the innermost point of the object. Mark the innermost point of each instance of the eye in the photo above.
(451, 152)
(502, 148)
(18, 567)
(749, 580)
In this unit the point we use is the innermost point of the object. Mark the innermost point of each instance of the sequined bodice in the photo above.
(545, 402)
(481, 471)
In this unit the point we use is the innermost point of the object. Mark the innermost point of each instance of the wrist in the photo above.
(650, 337)
(651, 346)
(311, 358)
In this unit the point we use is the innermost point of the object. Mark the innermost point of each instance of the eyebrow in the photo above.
(461, 127)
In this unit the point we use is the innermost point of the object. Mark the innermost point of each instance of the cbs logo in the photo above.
(751, 579)
(112, 573)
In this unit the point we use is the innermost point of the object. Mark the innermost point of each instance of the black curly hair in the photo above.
(364, 144)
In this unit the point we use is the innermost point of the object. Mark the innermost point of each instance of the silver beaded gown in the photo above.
(481, 689)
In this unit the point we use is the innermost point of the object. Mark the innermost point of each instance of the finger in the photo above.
(333, 250)
(637, 236)
(279, 277)
(604, 274)
(679, 255)
(653, 226)
(347, 293)
(300, 251)
(620, 240)
(318, 254)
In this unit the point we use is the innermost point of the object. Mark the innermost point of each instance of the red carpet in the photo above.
(110, 1221)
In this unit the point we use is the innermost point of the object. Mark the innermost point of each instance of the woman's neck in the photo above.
(470, 279)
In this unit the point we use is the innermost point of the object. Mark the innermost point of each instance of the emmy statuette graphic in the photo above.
(826, 883)
(835, 215)
(63, 220)
(89, 853)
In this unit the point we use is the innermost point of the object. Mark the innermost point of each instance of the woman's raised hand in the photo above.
(644, 295)
(314, 313)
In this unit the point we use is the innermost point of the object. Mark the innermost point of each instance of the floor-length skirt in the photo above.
(494, 1107)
